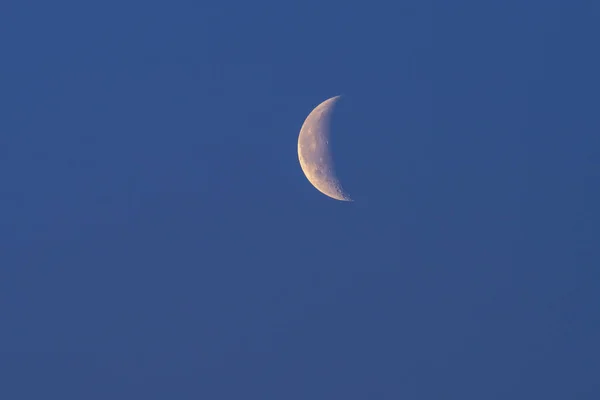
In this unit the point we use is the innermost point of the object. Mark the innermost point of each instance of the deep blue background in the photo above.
(158, 239)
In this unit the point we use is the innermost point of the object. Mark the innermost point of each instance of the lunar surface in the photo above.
(314, 151)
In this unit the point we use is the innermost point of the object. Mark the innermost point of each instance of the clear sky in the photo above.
(158, 239)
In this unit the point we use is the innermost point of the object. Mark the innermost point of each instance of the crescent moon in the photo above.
(314, 151)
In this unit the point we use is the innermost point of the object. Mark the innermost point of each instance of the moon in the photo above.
(314, 151)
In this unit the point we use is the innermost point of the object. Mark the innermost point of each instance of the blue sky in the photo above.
(159, 240)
